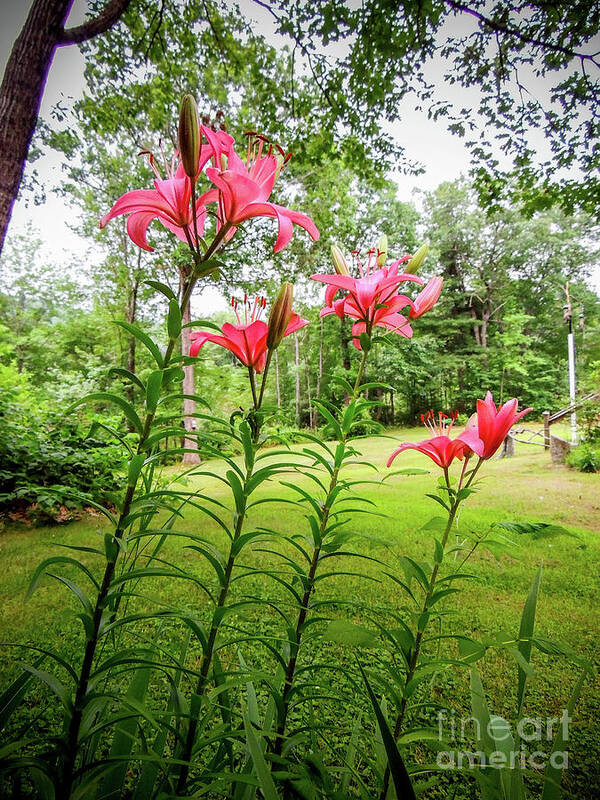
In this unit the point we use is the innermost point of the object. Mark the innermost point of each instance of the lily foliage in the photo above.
(232, 688)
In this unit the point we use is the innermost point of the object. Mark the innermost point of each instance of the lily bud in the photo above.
(279, 318)
(417, 260)
(339, 262)
(382, 250)
(189, 136)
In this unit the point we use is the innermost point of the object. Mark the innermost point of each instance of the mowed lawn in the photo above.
(526, 487)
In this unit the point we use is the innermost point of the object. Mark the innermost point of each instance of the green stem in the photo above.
(310, 583)
(253, 387)
(210, 643)
(67, 768)
(212, 636)
(195, 221)
(360, 374)
(414, 661)
(264, 378)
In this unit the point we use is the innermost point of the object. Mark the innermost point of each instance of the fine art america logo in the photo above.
(499, 747)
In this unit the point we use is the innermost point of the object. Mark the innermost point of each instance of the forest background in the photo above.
(507, 237)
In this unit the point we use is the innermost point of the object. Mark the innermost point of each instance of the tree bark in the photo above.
(131, 315)
(315, 412)
(484, 328)
(189, 387)
(24, 82)
(277, 384)
(297, 365)
(344, 346)
(476, 332)
(508, 447)
(379, 409)
(309, 394)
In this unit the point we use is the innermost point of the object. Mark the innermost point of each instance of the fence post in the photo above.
(508, 447)
(546, 417)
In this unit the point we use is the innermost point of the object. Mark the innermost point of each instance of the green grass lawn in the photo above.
(524, 488)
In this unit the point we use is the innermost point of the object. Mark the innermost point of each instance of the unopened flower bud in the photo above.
(279, 318)
(189, 136)
(417, 260)
(282, 159)
(382, 250)
(339, 262)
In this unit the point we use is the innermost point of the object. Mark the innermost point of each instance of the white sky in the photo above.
(444, 156)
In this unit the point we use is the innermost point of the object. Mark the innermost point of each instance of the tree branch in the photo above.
(112, 11)
(323, 89)
(509, 31)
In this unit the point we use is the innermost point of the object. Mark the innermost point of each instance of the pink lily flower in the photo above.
(373, 299)
(169, 201)
(243, 191)
(492, 424)
(441, 448)
(426, 299)
(247, 340)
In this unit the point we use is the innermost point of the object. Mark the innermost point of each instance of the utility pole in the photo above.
(568, 317)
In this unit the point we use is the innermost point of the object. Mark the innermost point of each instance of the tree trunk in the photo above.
(18, 329)
(277, 384)
(189, 387)
(484, 328)
(315, 412)
(297, 364)
(24, 81)
(309, 395)
(344, 345)
(392, 414)
(476, 333)
(379, 408)
(131, 315)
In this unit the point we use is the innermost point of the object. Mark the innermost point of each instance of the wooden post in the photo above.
(546, 416)
(508, 447)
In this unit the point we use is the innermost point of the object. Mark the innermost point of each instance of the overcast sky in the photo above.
(444, 156)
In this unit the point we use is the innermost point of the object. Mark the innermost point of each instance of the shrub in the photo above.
(45, 461)
(585, 457)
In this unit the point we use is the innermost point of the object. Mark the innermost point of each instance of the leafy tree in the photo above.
(501, 306)
(531, 69)
(24, 80)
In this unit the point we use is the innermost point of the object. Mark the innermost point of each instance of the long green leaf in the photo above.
(147, 779)
(153, 387)
(554, 773)
(123, 739)
(162, 288)
(55, 685)
(525, 634)
(127, 374)
(265, 780)
(488, 780)
(139, 334)
(398, 771)
(12, 696)
(115, 399)
(41, 570)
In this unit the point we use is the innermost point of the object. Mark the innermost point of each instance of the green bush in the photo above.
(50, 468)
(585, 457)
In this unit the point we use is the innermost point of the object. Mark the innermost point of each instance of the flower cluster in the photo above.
(242, 192)
(373, 299)
(248, 340)
(483, 435)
